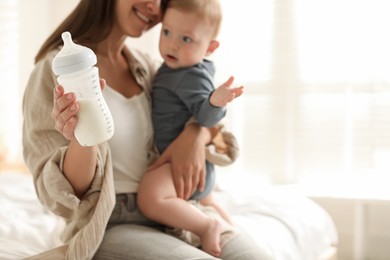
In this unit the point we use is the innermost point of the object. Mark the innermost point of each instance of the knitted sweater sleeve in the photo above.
(44, 149)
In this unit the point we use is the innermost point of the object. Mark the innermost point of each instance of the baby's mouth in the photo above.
(171, 57)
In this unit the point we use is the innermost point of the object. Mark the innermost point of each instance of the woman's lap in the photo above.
(131, 236)
(127, 241)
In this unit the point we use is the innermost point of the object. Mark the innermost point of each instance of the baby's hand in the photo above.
(224, 94)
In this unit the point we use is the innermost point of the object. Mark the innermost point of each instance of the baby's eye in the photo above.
(187, 39)
(166, 32)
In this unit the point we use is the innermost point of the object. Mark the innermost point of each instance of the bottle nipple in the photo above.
(72, 57)
(69, 45)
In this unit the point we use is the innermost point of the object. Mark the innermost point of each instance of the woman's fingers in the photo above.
(178, 182)
(102, 84)
(202, 180)
(64, 112)
(188, 186)
(68, 128)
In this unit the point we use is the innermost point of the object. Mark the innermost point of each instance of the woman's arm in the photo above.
(45, 148)
(79, 162)
(187, 157)
(79, 167)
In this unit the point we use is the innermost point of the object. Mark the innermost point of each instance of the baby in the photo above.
(183, 88)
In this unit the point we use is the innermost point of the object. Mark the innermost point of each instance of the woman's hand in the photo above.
(187, 157)
(65, 109)
(64, 112)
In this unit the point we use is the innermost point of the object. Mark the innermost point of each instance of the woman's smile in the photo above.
(141, 16)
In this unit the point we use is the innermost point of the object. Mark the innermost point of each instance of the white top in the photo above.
(129, 144)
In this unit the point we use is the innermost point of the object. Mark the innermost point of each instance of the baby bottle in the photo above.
(74, 66)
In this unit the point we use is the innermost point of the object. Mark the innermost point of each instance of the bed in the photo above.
(286, 224)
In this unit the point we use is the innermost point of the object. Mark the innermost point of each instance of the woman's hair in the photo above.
(89, 23)
(206, 9)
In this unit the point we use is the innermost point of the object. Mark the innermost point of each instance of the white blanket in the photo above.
(289, 225)
(26, 227)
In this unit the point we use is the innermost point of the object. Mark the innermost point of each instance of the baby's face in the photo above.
(185, 38)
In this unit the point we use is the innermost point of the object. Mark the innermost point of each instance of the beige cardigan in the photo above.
(44, 149)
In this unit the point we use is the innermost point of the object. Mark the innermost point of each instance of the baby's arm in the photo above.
(224, 94)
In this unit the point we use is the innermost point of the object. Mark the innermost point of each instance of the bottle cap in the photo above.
(72, 57)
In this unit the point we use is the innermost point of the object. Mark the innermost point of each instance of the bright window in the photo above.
(317, 101)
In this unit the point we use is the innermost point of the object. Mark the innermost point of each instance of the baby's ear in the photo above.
(214, 44)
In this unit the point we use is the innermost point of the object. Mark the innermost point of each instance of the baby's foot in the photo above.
(211, 238)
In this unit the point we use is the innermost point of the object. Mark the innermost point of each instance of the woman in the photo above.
(94, 188)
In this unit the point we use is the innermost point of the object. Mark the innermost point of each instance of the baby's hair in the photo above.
(206, 9)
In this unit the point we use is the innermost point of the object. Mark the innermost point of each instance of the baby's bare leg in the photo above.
(157, 199)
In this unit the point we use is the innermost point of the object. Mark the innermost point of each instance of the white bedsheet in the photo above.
(288, 225)
(26, 227)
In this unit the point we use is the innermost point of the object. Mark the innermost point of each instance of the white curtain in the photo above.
(317, 101)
